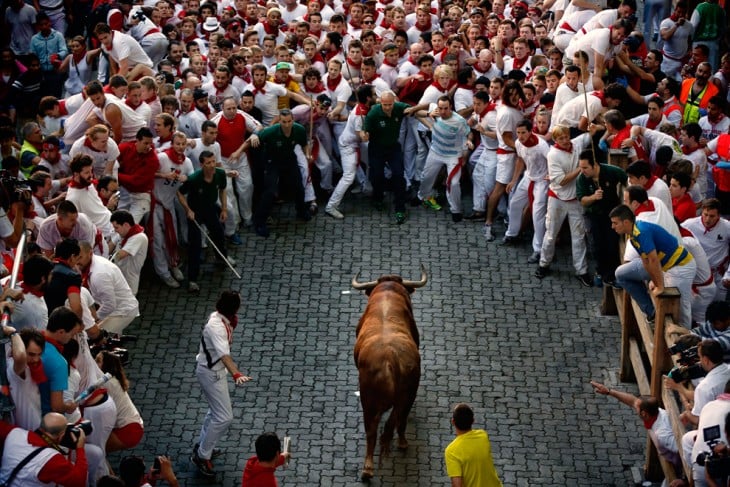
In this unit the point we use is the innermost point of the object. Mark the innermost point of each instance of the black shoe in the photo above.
(477, 215)
(205, 467)
(304, 215)
(378, 205)
(585, 279)
(415, 201)
(457, 217)
(542, 272)
(611, 282)
(262, 231)
(507, 241)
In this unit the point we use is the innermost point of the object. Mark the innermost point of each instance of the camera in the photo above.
(112, 343)
(72, 430)
(687, 355)
(686, 372)
(139, 15)
(13, 190)
(717, 465)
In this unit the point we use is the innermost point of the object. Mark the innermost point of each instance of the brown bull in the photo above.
(388, 361)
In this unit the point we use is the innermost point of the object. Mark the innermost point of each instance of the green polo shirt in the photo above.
(384, 130)
(277, 144)
(201, 193)
(608, 179)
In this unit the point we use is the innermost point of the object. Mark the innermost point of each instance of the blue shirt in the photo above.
(44, 47)
(648, 236)
(56, 369)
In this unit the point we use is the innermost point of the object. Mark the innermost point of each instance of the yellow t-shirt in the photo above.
(469, 456)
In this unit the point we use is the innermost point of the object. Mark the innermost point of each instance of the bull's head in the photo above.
(410, 285)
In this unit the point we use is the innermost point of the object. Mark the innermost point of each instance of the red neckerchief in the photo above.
(353, 64)
(715, 122)
(361, 109)
(651, 124)
(62, 110)
(568, 149)
(647, 206)
(487, 108)
(464, 86)
(319, 88)
(270, 29)
(205, 110)
(136, 229)
(37, 374)
(164, 140)
(174, 156)
(329, 55)
(686, 151)
(368, 81)
(57, 344)
(190, 39)
(184, 112)
(74, 184)
(131, 105)
(29, 290)
(531, 141)
(674, 17)
(599, 95)
(356, 27)
(518, 63)
(621, 135)
(259, 89)
(648, 423)
(426, 28)
(650, 182)
(317, 58)
(369, 53)
(152, 99)
(708, 229)
(438, 86)
(245, 76)
(388, 63)
(332, 84)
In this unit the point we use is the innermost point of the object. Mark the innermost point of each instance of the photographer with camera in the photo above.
(716, 327)
(718, 373)
(701, 442)
(37, 458)
(132, 472)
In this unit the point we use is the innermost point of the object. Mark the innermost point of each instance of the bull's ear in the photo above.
(410, 290)
(368, 291)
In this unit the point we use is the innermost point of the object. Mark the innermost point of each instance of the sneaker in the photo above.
(477, 215)
(193, 287)
(400, 217)
(488, 232)
(170, 282)
(177, 274)
(415, 201)
(262, 231)
(205, 467)
(356, 189)
(534, 258)
(507, 241)
(542, 272)
(586, 280)
(334, 213)
(235, 239)
(367, 188)
(431, 204)
(216, 451)
(457, 217)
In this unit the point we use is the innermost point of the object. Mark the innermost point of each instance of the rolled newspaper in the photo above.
(90, 390)
(287, 441)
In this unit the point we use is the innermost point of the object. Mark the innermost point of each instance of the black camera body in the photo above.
(717, 466)
(686, 372)
(75, 430)
(139, 15)
(687, 355)
(13, 190)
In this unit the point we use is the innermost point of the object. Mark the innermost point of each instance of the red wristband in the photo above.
(237, 376)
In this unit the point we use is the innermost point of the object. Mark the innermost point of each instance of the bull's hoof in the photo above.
(402, 444)
(367, 474)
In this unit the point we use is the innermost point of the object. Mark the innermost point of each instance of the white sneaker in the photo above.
(193, 287)
(334, 213)
(170, 282)
(177, 274)
(488, 233)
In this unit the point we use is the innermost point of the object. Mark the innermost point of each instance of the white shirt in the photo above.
(100, 158)
(110, 290)
(507, 120)
(131, 266)
(561, 162)
(710, 387)
(165, 191)
(126, 47)
(713, 414)
(715, 240)
(535, 159)
(268, 101)
(597, 41)
(194, 152)
(217, 338)
(89, 203)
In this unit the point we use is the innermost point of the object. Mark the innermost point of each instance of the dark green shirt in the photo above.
(276, 144)
(384, 130)
(609, 178)
(201, 193)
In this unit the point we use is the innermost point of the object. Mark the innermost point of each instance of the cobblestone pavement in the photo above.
(520, 350)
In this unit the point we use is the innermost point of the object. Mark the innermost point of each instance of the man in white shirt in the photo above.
(82, 192)
(125, 52)
(713, 233)
(131, 251)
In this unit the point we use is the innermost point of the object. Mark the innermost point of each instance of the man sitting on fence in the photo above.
(664, 262)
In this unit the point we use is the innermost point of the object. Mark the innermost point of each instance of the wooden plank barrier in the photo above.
(645, 359)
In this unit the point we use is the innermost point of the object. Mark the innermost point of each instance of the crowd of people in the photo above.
(137, 129)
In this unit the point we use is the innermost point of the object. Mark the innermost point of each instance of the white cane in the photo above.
(210, 240)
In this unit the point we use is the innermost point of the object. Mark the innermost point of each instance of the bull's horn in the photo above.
(421, 283)
(362, 285)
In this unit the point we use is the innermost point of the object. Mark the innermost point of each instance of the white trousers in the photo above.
(519, 199)
(243, 185)
(138, 204)
(349, 159)
(160, 257)
(103, 416)
(431, 170)
(214, 384)
(484, 178)
(701, 299)
(557, 211)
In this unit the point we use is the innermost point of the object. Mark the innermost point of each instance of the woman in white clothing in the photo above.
(79, 66)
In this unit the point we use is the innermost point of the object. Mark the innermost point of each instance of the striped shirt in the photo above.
(708, 332)
(449, 136)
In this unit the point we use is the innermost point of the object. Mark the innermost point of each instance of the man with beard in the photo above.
(83, 194)
(601, 45)
(696, 93)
